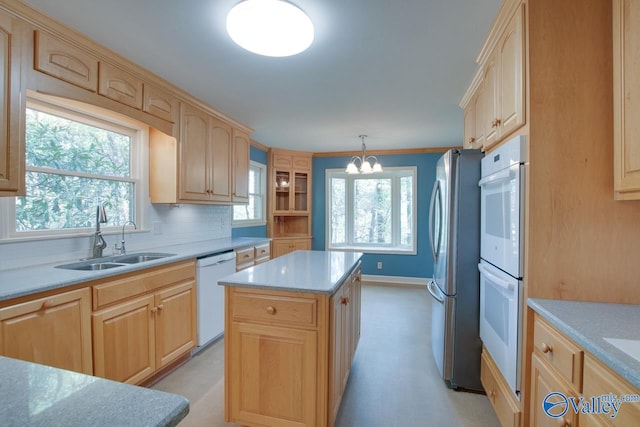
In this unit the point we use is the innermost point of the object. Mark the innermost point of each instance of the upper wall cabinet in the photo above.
(69, 63)
(504, 102)
(12, 112)
(241, 146)
(626, 99)
(120, 85)
(159, 103)
(207, 164)
(473, 123)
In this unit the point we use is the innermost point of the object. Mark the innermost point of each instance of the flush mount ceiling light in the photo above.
(364, 160)
(270, 27)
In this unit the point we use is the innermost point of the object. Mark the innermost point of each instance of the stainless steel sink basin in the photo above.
(140, 257)
(114, 261)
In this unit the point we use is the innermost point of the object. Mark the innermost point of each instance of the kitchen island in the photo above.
(291, 330)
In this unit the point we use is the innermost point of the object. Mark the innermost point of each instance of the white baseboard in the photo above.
(395, 280)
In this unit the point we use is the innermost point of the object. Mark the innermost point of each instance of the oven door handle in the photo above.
(431, 288)
(495, 279)
(503, 175)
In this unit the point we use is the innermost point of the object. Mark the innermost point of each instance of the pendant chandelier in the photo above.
(368, 164)
(270, 27)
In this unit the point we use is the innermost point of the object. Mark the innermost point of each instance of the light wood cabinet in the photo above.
(119, 85)
(544, 381)
(288, 354)
(626, 99)
(159, 103)
(561, 366)
(473, 123)
(284, 246)
(12, 111)
(344, 333)
(207, 164)
(499, 393)
(144, 321)
(240, 170)
(53, 330)
(253, 255)
(502, 96)
(66, 62)
(599, 380)
(289, 218)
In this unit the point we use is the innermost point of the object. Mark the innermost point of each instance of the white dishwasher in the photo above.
(210, 295)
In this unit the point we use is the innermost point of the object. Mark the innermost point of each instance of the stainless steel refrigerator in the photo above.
(454, 236)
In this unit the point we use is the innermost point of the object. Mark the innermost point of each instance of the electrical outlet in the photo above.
(379, 265)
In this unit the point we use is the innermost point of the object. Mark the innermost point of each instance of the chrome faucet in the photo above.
(98, 241)
(122, 249)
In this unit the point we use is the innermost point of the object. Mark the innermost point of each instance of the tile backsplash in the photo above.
(166, 225)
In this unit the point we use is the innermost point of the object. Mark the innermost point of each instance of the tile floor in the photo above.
(393, 381)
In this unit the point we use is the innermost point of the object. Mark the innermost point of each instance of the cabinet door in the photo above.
(478, 103)
(274, 381)
(194, 152)
(300, 245)
(220, 160)
(53, 331)
(241, 147)
(335, 354)
(626, 99)
(469, 120)
(544, 381)
(158, 103)
(300, 191)
(280, 247)
(175, 322)
(12, 111)
(120, 86)
(282, 191)
(124, 341)
(355, 301)
(490, 102)
(511, 91)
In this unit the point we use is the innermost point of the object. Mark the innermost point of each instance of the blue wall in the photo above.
(257, 155)
(419, 265)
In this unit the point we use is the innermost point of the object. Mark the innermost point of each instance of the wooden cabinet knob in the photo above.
(344, 300)
(563, 422)
(46, 304)
(472, 140)
(246, 255)
(546, 348)
(154, 309)
(161, 306)
(271, 310)
(492, 393)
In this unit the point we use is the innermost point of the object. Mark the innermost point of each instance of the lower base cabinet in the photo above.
(137, 335)
(281, 247)
(288, 354)
(53, 331)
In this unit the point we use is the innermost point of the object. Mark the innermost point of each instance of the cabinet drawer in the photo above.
(117, 288)
(286, 310)
(558, 351)
(262, 253)
(244, 258)
(498, 392)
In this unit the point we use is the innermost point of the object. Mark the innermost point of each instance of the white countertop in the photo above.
(25, 281)
(302, 271)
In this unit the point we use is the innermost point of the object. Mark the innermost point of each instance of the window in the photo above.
(73, 162)
(253, 213)
(372, 212)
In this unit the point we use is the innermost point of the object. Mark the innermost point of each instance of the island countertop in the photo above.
(37, 395)
(303, 271)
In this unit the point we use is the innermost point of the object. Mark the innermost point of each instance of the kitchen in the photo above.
(577, 236)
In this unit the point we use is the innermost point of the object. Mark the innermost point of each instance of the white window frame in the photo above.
(395, 173)
(105, 119)
(237, 223)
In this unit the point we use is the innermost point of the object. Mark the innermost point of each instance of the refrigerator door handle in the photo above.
(431, 286)
(436, 193)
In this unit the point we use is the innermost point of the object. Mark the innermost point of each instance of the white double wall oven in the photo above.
(501, 256)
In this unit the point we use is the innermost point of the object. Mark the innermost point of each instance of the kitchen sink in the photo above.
(140, 257)
(114, 261)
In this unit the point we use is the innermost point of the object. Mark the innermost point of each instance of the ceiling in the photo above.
(395, 71)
